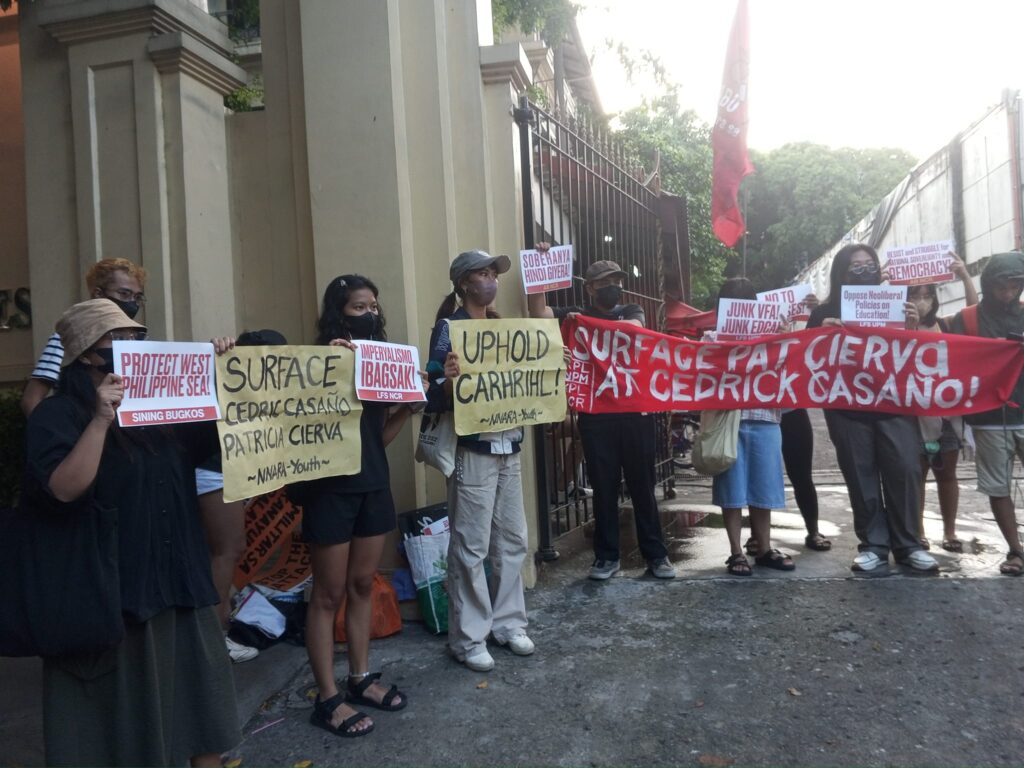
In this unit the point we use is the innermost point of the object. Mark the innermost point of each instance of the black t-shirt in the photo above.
(619, 312)
(162, 554)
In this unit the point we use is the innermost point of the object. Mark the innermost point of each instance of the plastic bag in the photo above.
(436, 446)
(716, 447)
(428, 561)
(385, 620)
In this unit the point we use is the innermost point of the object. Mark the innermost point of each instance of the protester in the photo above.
(940, 437)
(999, 434)
(798, 458)
(616, 444)
(346, 519)
(755, 479)
(119, 280)
(485, 493)
(877, 452)
(224, 522)
(164, 695)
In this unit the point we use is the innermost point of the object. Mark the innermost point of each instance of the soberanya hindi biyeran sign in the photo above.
(548, 271)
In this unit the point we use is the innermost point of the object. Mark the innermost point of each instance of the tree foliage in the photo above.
(551, 18)
(803, 197)
(683, 141)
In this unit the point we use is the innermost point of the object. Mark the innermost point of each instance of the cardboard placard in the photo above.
(551, 271)
(920, 264)
(742, 319)
(388, 373)
(793, 297)
(165, 382)
(874, 306)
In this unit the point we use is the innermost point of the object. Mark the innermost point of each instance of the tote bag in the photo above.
(715, 448)
(436, 446)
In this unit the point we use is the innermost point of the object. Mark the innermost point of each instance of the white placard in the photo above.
(874, 306)
(742, 319)
(165, 382)
(388, 373)
(920, 264)
(793, 296)
(551, 271)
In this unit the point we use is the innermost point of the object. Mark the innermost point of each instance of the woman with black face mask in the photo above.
(163, 695)
(877, 452)
(346, 520)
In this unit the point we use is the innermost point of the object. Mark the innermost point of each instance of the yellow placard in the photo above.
(288, 413)
(512, 374)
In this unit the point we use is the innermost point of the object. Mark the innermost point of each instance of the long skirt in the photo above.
(163, 695)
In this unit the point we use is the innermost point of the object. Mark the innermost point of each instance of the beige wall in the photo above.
(16, 356)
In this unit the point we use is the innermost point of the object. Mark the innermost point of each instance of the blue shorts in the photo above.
(755, 480)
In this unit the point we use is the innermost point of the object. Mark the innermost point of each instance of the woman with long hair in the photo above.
(877, 452)
(346, 519)
(485, 493)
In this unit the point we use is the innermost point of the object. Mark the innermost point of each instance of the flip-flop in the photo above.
(1012, 569)
(775, 559)
(953, 545)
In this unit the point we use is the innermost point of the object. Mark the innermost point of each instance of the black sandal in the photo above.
(775, 559)
(357, 694)
(737, 565)
(323, 711)
(817, 542)
(1012, 569)
(751, 546)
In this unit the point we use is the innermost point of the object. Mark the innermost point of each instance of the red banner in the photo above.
(621, 368)
(729, 136)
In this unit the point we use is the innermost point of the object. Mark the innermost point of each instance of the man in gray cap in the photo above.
(616, 444)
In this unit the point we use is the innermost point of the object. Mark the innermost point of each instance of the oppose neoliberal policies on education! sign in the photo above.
(512, 374)
(616, 368)
(289, 413)
(165, 382)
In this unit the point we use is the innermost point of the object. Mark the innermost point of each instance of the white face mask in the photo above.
(924, 306)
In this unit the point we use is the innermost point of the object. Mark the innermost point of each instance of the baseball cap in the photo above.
(470, 261)
(85, 323)
(600, 269)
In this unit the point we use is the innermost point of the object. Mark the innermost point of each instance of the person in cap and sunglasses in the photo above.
(616, 445)
(164, 695)
(485, 493)
(999, 434)
(119, 280)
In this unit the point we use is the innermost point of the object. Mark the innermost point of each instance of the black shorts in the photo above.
(332, 517)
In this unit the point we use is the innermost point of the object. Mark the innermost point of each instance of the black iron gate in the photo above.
(580, 187)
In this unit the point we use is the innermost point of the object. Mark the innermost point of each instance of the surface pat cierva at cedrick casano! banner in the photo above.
(289, 413)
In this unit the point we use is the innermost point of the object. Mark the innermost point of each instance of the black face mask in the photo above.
(364, 326)
(108, 359)
(130, 308)
(609, 296)
(865, 278)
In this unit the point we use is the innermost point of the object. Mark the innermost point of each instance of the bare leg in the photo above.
(734, 529)
(1002, 508)
(209, 760)
(364, 559)
(761, 528)
(330, 564)
(224, 524)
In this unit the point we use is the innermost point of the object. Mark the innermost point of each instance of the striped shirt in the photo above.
(48, 366)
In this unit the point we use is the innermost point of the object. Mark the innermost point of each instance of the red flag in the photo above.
(729, 136)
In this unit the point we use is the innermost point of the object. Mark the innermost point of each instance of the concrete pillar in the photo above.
(126, 155)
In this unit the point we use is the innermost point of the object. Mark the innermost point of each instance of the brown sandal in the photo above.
(1012, 569)
(751, 546)
(953, 545)
(817, 542)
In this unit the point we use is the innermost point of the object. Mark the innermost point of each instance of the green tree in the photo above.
(683, 142)
(552, 18)
(803, 197)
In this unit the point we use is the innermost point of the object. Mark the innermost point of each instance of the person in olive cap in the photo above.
(485, 492)
(999, 434)
(616, 444)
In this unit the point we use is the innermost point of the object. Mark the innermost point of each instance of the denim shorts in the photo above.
(755, 480)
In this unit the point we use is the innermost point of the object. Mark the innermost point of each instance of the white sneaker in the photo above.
(869, 562)
(239, 652)
(919, 560)
(519, 644)
(480, 661)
